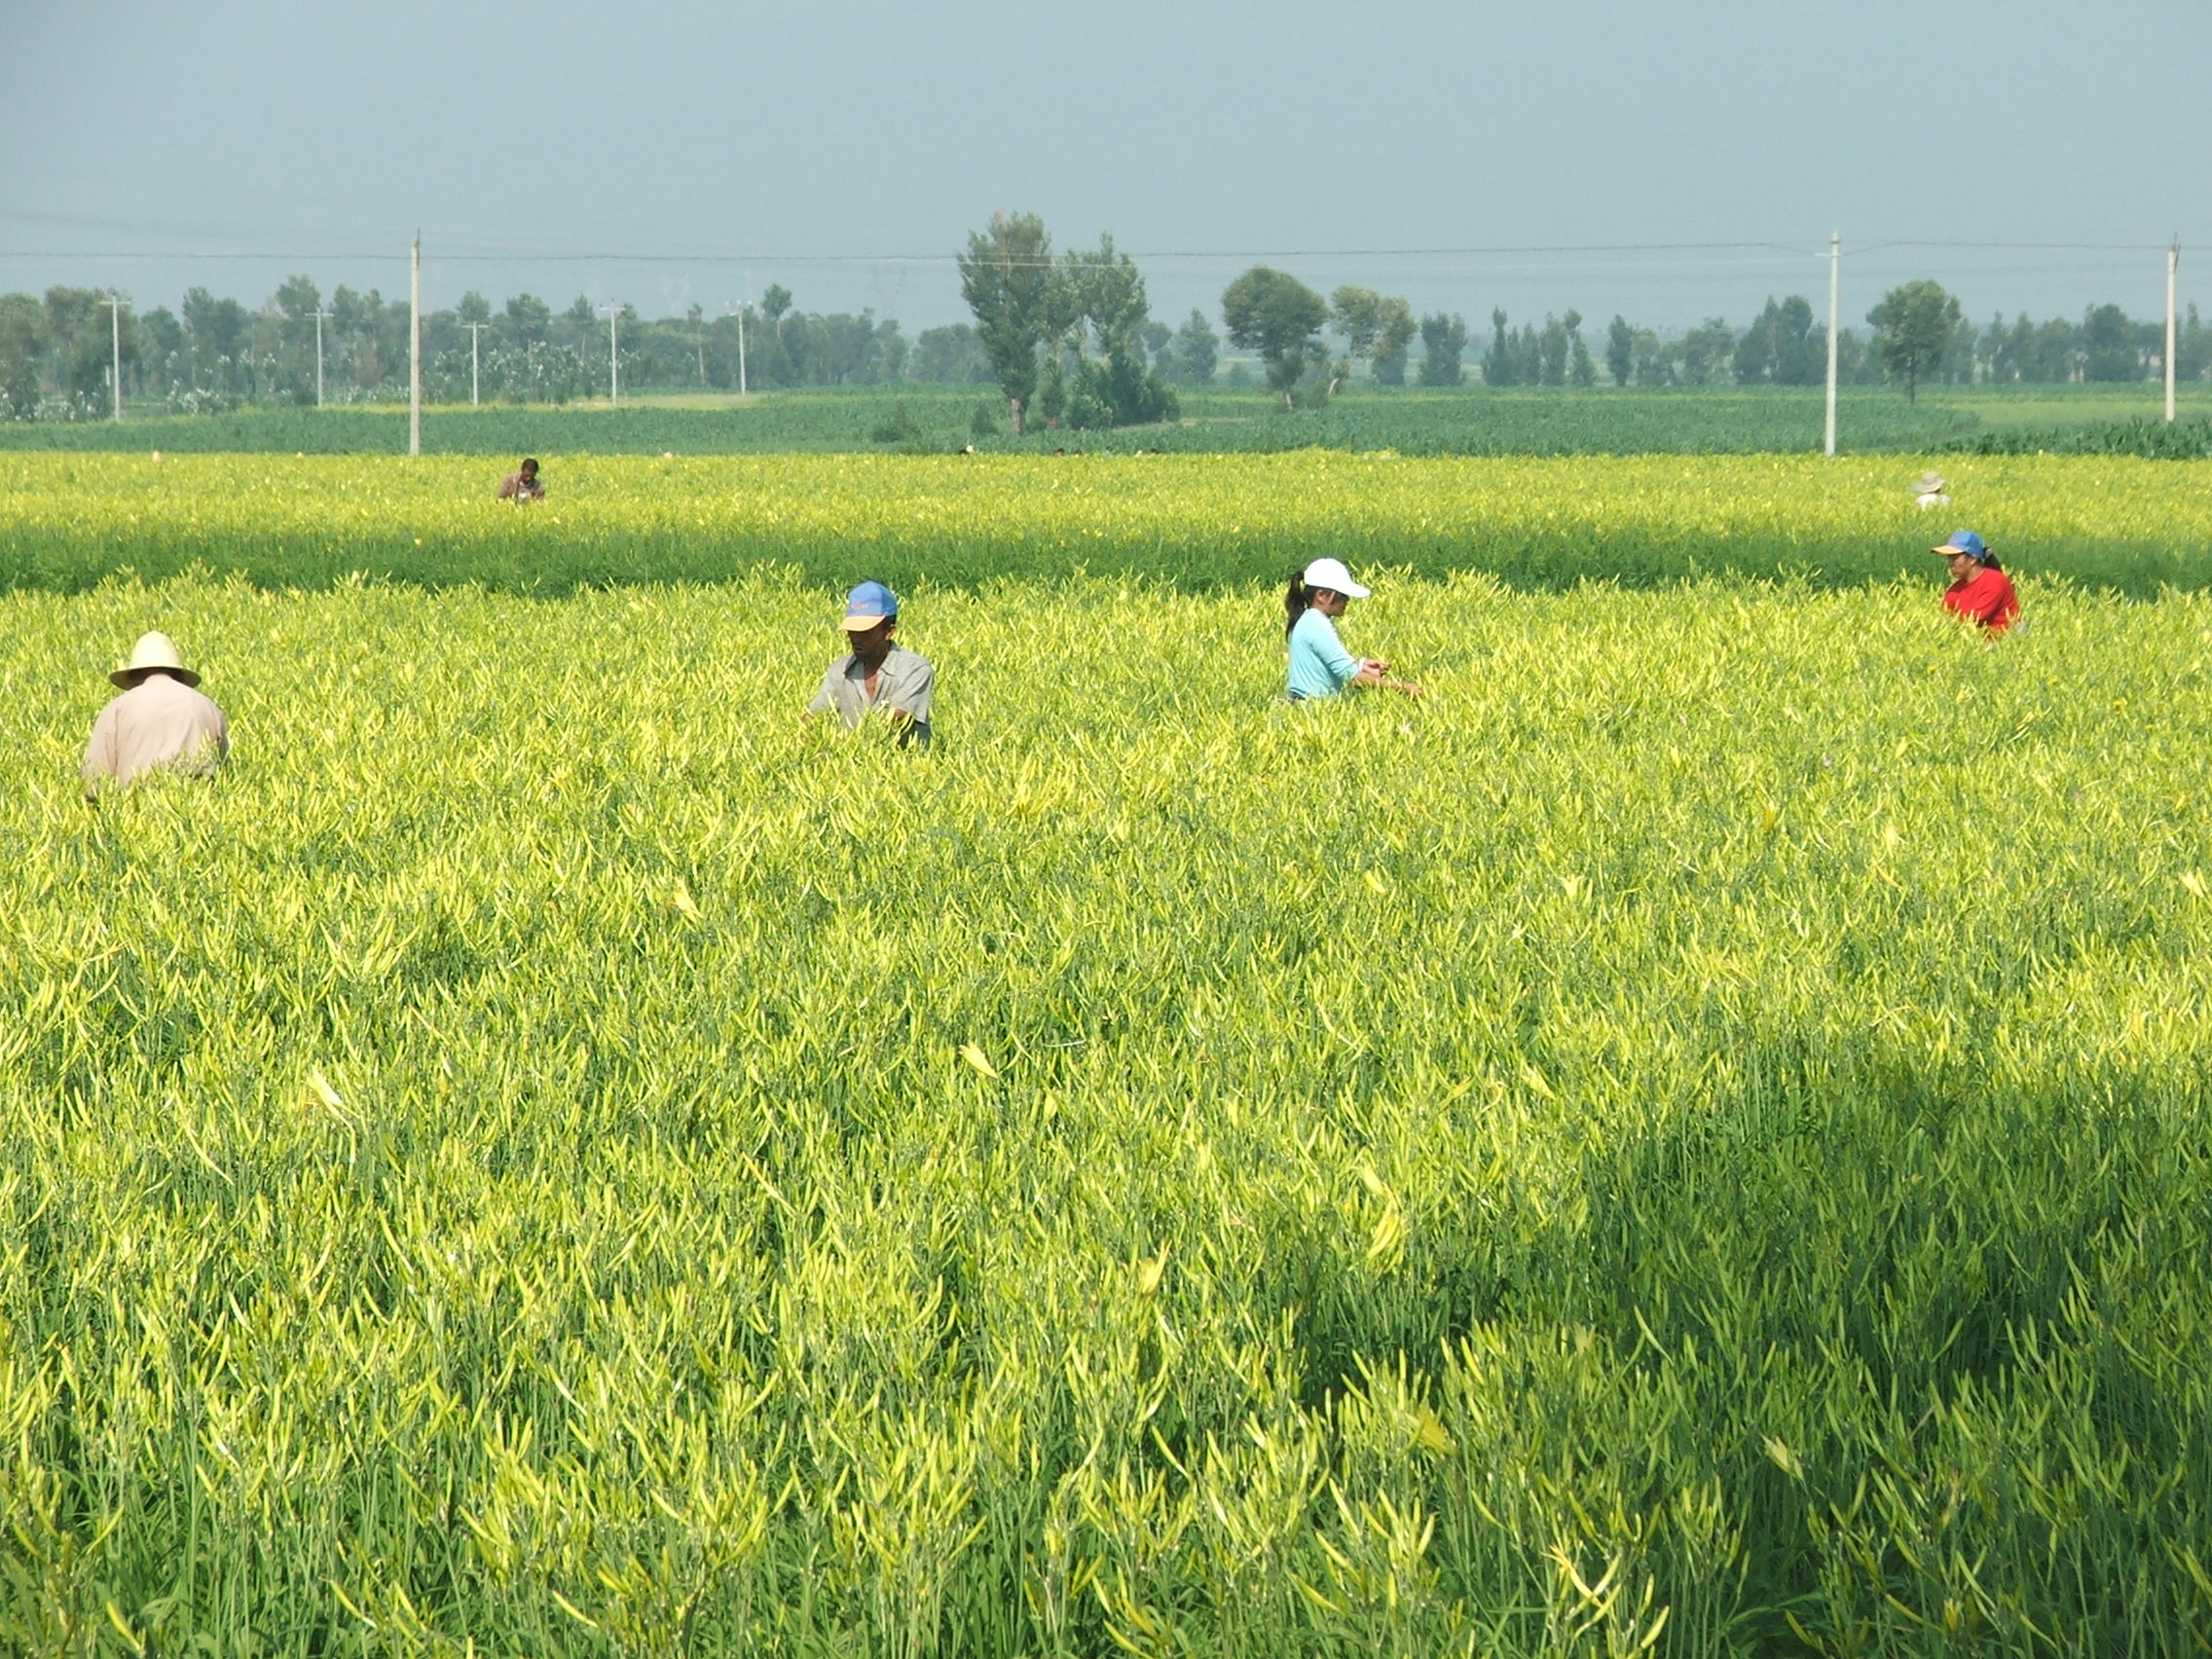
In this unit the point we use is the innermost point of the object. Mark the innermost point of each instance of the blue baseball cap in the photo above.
(867, 606)
(1962, 541)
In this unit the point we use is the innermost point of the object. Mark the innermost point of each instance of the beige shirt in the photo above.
(902, 685)
(159, 723)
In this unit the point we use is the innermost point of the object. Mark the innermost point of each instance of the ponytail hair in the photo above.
(1298, 601)
(1989, 561)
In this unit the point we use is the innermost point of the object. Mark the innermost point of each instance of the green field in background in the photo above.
(1412, 420)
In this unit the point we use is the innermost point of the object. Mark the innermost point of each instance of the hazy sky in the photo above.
(845, 148)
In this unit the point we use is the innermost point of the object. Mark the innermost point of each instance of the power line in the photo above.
(94, 253)
(665, 257)
(2017, 246)
(632, 257)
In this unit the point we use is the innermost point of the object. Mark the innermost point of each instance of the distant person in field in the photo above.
(522, 483)
(1980, 591)
(1931, 491)
(1319, 664)
(161, 723)
(877, 676)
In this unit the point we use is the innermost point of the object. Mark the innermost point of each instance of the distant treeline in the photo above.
(1785, 347)
(212, 354)
(216, 354)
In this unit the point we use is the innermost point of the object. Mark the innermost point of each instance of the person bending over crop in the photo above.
(1319, 664)
(877, 676)
(522, 483)
(160, 722)
(1980, 591)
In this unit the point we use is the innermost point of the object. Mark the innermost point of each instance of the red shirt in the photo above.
(1986, 597)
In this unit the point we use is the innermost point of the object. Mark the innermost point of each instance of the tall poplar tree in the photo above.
(1008, 279)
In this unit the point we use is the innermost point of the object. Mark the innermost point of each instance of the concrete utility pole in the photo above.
(1835, 311)
(319, 317)
(2173, 267)
(415, 347)
(743, 306)
(116, 339)
(614, 357)
(475, 330)
(735, 309)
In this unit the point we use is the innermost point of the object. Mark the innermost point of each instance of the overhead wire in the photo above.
(465, 253)
(1665, 264)
(665, 257)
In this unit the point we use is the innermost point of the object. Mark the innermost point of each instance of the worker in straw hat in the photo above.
(1930, 489)
(160, 723)
(877, 676)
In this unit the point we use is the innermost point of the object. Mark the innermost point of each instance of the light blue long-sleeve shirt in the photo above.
(1319, 664)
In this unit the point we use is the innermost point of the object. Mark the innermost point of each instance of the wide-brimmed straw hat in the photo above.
(1931, 483)
(155, 650)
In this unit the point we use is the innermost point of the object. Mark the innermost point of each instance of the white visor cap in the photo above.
(1331, 573)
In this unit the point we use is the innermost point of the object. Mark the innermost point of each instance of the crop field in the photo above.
(1193, 522)
(1415, 420)
(1689, 1138)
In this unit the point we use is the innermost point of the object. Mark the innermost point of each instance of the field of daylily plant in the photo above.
(1689, 1137)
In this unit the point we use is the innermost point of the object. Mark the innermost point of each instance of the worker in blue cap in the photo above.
(1980, 591)
(877, 676)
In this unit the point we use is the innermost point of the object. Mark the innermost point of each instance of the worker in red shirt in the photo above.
(1980, 591)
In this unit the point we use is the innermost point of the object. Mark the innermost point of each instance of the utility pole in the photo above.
(116, 339)
(2173, 267)
(1835, 316)
(614, 357)
(475, 329)
(415, 347)
(738, 311)
(319, 317)
(743, 306)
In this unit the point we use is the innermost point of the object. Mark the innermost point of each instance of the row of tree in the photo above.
(1035, 316)
(58, 354)
(1067, 338)
(1919, 334)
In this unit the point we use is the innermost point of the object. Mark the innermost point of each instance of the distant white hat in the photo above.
(153, 650)
(1931, 483)
(1331, 573)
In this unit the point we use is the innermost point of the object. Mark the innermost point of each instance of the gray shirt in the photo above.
(160, 722)
(902, 687)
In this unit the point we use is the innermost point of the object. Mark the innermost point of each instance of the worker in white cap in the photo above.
(160, 723)
(1319, 664)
